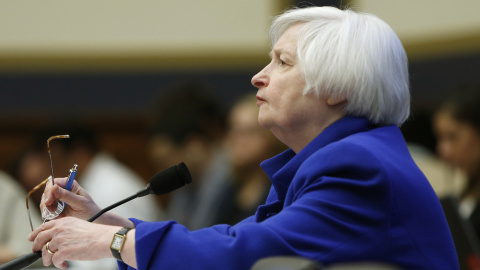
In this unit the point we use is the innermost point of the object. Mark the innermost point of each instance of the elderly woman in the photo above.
(347, 190)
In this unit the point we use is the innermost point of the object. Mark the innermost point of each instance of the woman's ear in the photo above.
(334, 101)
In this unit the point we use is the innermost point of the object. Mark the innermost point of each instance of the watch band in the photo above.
(122, 234)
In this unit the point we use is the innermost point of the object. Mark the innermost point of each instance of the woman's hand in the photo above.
(79, 203)
(72, 239)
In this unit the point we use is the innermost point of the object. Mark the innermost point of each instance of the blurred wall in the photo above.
(430, 27)
(54, 30)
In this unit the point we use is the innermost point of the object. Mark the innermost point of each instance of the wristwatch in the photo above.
(118, 241)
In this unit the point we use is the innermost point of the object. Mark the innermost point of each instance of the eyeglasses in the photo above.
(60, 204)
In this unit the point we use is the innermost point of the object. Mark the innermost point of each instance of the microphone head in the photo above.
(170, 179)
(183, 173)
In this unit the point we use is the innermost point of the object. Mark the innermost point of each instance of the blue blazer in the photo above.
(353, 194)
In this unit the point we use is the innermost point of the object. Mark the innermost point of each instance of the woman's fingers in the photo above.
(41, 235)
(48, 198)
(72, 239)
(78, 202)
(54, 255)
(46, 238)
(46, 257)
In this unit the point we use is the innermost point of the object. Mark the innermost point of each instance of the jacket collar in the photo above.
(282, 168)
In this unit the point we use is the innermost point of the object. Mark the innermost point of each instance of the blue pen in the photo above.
(71, 177)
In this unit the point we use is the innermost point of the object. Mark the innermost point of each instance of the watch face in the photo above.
(117, 242)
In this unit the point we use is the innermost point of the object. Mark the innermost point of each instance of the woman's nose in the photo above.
(260, 79)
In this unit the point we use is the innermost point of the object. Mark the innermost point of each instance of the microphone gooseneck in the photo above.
(163, 182)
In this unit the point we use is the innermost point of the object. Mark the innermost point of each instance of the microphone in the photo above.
(163, 182)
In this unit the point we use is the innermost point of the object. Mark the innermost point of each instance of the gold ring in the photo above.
(48, 250)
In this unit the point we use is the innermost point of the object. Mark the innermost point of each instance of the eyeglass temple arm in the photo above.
(50, 154)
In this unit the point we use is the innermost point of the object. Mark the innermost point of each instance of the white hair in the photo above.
(344, 54)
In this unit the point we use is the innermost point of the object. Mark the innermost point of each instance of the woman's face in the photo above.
(458, 143)
(283, 109)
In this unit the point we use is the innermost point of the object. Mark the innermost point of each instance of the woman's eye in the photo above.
(281, 62)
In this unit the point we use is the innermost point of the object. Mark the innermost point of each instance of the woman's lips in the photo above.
(259, 100)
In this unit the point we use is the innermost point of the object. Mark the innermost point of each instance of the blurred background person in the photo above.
(457, 127)
(104, 177)
(421, 142)
(32, 167)
(248, 144)
(189, 125)
(14, 224)
(107, 179)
